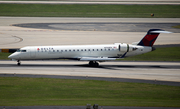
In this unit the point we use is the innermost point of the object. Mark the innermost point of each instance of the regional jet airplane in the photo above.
(91, 53)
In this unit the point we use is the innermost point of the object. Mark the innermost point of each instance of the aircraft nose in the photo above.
(13, 56)
(10, 56)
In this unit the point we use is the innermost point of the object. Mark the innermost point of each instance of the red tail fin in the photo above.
(150, 37)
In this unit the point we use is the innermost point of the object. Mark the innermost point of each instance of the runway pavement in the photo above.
(17, 37)
(153, 71)
(102, 26)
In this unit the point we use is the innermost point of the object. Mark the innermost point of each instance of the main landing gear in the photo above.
(93, 63)
(19, 63)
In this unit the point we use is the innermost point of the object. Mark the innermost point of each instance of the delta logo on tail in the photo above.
(151, 37)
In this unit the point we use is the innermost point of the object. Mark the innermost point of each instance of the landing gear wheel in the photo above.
(93, 63)
(96, 64)
(19, 63)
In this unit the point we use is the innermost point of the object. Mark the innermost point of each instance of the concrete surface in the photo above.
(17, 37)
(155, 71)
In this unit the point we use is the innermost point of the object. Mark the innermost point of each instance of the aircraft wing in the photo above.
(96, 59)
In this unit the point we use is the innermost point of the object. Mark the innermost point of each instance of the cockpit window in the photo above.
(18, 51)
(21, 51)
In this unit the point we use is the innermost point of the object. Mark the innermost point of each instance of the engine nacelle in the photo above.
(126, 47)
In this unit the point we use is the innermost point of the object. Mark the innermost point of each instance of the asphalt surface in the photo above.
(82, 31)
(102, 26)
(165, 73)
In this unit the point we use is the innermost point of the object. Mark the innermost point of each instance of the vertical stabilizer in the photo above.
(150, 37)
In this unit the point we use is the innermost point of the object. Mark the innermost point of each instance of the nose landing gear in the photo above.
(93, 63)
(19, 63)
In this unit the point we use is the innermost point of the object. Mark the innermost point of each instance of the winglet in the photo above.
(151, 37)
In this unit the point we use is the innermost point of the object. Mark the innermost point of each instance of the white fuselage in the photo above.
(80, 52)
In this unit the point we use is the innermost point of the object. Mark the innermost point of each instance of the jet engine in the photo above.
(126, 47)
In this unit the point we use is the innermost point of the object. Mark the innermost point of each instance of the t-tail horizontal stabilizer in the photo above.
(151, 36)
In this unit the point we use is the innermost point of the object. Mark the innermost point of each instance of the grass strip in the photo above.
(76, 10)
(16, 91)
(160, 54)
(4, 56)
(177, 26)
